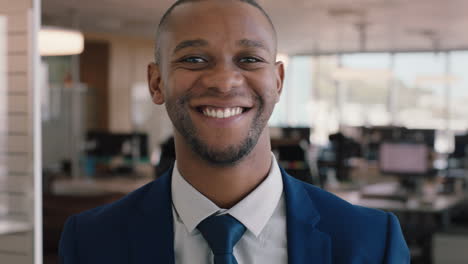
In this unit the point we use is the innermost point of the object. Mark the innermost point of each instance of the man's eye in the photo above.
(249, 60)
(193, 60)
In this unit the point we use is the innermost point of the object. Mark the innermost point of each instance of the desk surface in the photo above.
(437, 204)
(98, 186)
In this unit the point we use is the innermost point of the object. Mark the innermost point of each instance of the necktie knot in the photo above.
(222, 233)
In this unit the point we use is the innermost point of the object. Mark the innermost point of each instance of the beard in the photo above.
(220, 157)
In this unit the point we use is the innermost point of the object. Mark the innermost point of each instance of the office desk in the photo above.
(72, 196)
(96, 186)
(443, 205)
(419, 219)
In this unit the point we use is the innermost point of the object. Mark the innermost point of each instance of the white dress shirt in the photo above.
(262, 212)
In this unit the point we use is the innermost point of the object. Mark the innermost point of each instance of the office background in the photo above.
(374, 109)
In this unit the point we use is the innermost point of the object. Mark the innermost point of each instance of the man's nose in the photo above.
(223, 77)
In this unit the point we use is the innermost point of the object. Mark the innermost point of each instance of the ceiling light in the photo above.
(60, 42)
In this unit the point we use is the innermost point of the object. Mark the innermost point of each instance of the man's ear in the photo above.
(155, 84)
(279, 78)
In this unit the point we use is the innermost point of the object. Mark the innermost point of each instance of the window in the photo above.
(419, 90)
(415, 90)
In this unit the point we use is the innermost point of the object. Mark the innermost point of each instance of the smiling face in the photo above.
(218, 77)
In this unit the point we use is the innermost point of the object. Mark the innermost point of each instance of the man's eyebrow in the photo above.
(190, 43)
(250, 43)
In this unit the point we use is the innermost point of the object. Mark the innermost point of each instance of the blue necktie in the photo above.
(222, 233)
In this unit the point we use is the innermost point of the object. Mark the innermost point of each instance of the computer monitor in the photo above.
(461, 146)
(401, 158)
(105, 144)
(426, 136)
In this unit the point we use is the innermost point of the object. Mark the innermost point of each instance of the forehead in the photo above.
(226, 21)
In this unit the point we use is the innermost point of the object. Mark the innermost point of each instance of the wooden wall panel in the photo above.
(17, 63)
(17, 104)
(16, 144)
(16, 125)
(16, 149)
(18, 243)
(16, 163)
(8, 6)
(17, 83)
(19, 202)
(94, 71)
(17, 44)
(17, 23)
(14, 184)
(13, 258)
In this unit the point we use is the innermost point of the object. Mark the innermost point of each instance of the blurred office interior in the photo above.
(374, 109)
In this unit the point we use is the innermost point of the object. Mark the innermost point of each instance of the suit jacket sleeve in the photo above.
(67, 246)
(397, 251)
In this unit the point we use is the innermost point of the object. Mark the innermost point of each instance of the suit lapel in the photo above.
(306, 244)
(151, 230)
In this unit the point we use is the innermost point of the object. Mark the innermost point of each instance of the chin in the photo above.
(223, 156)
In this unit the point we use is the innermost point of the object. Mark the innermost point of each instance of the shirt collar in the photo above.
(253, 211)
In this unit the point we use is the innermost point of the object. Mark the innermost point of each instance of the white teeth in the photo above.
(222, 113)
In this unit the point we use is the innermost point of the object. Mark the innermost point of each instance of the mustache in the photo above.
(213, 93)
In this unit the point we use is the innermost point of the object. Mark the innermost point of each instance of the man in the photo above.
(226, 200)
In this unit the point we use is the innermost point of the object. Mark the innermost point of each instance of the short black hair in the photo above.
(164, 19)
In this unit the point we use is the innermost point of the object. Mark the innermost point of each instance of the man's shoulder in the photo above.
(330, 204)
(353, 229)
(103, 234)
(340, 216)
(117, 212)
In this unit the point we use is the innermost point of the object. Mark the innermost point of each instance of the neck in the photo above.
(225, 186)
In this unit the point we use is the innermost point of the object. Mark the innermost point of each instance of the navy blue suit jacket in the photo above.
(321, 229)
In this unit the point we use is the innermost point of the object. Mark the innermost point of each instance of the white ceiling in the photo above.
(304, 26)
